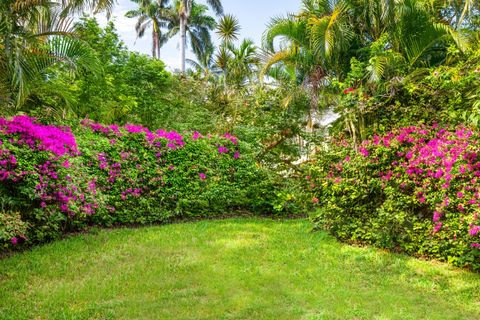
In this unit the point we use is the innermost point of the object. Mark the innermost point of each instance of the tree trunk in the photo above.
(154, 43)
(183, 40)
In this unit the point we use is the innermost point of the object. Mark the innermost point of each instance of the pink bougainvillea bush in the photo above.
(53, 180)
(415, 189)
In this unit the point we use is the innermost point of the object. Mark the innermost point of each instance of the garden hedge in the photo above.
(415, 189)
(54, 180)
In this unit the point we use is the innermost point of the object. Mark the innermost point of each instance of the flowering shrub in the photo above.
(62, 181)
(415, 189)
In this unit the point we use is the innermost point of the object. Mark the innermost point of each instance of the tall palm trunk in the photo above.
(158, 46)
(155, 46)
(183, 39)
(156, 40)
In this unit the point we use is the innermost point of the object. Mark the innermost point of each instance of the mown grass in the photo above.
(229, 269)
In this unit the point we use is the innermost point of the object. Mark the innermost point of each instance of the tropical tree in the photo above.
(242, 63)
(34, 37)
(314, 43)
(387, 37)
(205, 64)
(197, 30)
(185, 11)
(78, 6)
(151, 13)
(456, 12)
(228, 28)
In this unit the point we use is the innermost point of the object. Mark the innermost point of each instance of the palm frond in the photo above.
(228, 28)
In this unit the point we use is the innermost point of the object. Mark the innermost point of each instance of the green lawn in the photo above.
(230, 269)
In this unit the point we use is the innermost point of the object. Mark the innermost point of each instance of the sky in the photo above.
(253, 15)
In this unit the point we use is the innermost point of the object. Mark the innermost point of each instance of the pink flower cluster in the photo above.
(25, 130)
(174, 139)
(232, 139)
(135, 192)
(8, 164)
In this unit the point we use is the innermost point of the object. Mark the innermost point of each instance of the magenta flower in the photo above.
(364, 152)
(222, 149)
(66, 164)
(232, 139)
(438, 174)
(436, 216)
(474, 230)
(437, 228)
(196, 135)
(202, 176)
(14, 240)
(58, 140)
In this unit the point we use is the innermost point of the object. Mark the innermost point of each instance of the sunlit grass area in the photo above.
(229, 269)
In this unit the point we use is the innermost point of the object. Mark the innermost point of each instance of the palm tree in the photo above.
(320, 41)
(151, 13)
(410, 30)
(242, 63)
(184, 12)
(228, 28)
(34, 36)
(198, 29)
(313, 42)
(205, 65)
(78, 6)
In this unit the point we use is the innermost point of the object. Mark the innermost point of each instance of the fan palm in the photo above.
(228, 29)
(151, 13)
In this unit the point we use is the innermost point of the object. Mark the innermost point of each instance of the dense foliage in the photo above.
(414, 189)
(54, 181)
